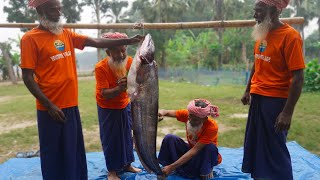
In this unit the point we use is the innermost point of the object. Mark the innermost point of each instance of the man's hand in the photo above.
(167, 170)
(122, 83)
(283, 122)
(135, 39)
(161, 114)
(56, 113)
(246, 98)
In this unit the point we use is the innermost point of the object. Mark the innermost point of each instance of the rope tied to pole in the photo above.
(139, 25)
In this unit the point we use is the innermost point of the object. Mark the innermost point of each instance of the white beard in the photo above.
(118, 68)
(260, 31)
(193, 130)
(54, 27)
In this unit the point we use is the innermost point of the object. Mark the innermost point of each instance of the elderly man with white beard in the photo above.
(114, 109)
(196, 158)
(49, 72)
(272, 92)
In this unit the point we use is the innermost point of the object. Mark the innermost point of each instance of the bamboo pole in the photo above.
(179, 25)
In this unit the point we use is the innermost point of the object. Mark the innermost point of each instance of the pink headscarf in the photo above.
(280, 4)
(115, 35)
(200, 112)
(36, 3)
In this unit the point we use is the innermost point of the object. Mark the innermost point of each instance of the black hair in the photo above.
(200, 103)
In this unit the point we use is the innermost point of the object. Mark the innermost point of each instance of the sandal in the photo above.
(27, 154)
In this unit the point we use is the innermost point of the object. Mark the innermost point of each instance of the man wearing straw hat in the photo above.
(49, 72)
(273, 90)
(196, 158)
(114, 109)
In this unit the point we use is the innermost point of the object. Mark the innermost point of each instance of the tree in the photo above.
(219, 15)
(194, 7)
(159, 11)
(313, 6)
(7, 57)
(312, 46)
(306, 9)
(19, 12)
(97, 5)
(71, 10)
(114, 10)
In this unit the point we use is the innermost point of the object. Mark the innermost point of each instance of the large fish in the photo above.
(143, 90)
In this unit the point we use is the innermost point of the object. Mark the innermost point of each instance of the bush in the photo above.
(312, 76)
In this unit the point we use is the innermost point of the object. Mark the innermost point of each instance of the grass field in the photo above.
(18, 128)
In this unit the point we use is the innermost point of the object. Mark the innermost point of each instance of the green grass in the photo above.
(17, 106)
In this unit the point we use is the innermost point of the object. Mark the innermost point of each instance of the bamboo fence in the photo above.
(177, 25)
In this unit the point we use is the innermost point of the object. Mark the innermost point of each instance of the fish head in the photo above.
(147, 50)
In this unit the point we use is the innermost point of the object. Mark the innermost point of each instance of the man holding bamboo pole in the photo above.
(273, 90)
(49, 72)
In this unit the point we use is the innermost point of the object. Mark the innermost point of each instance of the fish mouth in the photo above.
(146, 54)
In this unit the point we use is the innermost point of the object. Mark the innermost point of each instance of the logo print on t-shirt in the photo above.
(263, 46)
(59, 45)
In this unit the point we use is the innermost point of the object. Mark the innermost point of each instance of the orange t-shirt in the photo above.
(52, 58)
(275, 58)
(105, 79)
(208, 133)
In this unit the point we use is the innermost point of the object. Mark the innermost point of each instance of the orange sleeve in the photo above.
(28, 53)
(294, 55)
(101, 78)
(129, 63)
(78, 40)
(182, 115)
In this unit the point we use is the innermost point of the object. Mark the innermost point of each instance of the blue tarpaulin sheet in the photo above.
(306, 166)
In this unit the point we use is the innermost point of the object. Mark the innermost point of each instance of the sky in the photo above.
(86, 17)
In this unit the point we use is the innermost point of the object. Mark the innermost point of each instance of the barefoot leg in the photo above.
(112, 175)
(133, 169)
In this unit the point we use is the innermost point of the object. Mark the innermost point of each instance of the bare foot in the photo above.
(112, 175)
(133, 169)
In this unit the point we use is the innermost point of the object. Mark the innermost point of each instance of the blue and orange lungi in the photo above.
(62, 151)
(265, 152)
(173, 147)
(116, 137)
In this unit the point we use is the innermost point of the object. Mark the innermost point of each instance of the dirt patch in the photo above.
(167, 130)
(223, 128)
(9, 83)
(239, 116)
(91, 136)
(86, 78)
(6, 127)
(4, 99)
